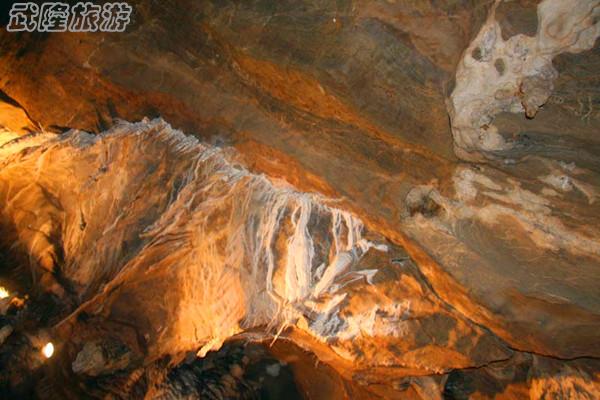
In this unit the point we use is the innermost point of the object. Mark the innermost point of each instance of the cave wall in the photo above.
(361, 101)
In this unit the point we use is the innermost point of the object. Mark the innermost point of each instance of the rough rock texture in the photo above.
(14, 119)
(228, 250)
(492, 268)
(515, 74)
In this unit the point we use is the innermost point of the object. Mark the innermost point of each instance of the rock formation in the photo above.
(514, 75)
(404, 193)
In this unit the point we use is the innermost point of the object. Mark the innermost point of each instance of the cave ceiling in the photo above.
(407, 190)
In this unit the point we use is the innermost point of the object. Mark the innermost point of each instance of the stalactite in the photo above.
(242, 247)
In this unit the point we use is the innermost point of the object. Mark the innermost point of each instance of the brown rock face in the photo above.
(408, 191)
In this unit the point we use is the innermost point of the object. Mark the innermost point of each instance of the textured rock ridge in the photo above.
(231, 253)
(404, 192)
(229, 250)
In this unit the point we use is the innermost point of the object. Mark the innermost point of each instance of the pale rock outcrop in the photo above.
(514, 75)
(152, 237)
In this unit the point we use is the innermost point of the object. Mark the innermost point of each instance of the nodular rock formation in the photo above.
(397, 199)
(516, 74)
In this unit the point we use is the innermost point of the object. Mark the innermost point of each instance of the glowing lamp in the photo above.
(48, 350)
(3, 293)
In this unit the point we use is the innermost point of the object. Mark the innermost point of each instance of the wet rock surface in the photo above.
(485, 197)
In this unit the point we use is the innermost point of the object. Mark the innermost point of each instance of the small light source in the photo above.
(3, 293)
(48, 350)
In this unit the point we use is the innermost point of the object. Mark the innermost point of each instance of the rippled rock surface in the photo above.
(407, 190)
(165, 246)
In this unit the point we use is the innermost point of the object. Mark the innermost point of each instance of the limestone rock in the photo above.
(230, 266)
(98, 358)
(514, 75)
(461, 137)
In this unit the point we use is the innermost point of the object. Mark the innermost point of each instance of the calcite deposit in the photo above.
(516, 74)
(323, 200)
